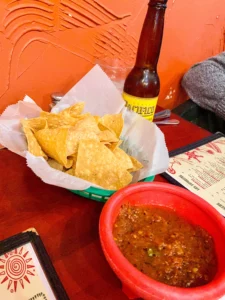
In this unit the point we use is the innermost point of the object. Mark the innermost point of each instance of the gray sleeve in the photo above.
(205, 84)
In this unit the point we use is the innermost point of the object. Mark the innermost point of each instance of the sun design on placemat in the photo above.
(15, 267)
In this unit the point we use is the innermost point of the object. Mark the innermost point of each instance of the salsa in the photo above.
(164, 246)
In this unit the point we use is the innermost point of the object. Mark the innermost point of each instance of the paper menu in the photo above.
(22, 277)
(202, 171)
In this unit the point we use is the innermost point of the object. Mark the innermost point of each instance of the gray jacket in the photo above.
(205, 84)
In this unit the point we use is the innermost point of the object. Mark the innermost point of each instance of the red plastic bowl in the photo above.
(187, 205)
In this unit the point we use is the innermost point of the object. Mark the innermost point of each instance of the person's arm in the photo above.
(205, 84)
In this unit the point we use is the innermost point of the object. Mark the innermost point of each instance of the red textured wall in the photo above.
(46, 45)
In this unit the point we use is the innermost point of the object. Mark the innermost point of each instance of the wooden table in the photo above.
(68, 224)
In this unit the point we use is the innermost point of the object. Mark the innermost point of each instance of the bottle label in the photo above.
(142, 106)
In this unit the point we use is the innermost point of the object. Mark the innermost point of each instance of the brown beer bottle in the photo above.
(142, 86)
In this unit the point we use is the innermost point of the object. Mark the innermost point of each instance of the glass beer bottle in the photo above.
(142, 86)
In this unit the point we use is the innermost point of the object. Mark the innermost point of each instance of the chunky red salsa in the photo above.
(165, 246)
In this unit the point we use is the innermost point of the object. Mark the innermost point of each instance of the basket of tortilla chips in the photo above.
(84, 146)
(91, 148)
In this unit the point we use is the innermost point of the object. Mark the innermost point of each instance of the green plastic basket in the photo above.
(102, 195)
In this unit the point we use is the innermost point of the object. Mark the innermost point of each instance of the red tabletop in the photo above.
(68, 224)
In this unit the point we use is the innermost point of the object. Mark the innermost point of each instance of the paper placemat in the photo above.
(200, 168)
(26, 271)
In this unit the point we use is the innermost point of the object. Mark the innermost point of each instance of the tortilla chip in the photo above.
(55, 165)
(35, 124)
(103, 127)
(33, 145)
(97, 119)
(107, 136)
(105, 143)
(113, 122)
(136, 165)
(73, 110)
(85, 129)
(97, 164)
(123, 158)
(56, 120)
(75, 135)
(74, 157)
(83, 116)
(53, 142)
(70, 172)
(87, 123)
(113, 146)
